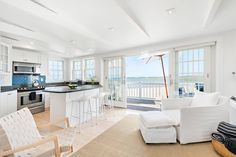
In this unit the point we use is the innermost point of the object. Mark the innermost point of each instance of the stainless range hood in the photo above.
(26, 68)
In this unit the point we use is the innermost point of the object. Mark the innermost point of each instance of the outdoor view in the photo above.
(189, 71)
(145, 81)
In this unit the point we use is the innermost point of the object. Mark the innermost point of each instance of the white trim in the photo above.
(63, 69)
(85, 67)
(180, 48)
(207, 64)
(72, 69)
(121, 103)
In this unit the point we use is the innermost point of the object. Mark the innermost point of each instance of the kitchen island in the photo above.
(61, 98)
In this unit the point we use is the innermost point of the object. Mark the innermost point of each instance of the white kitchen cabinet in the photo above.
(32, 57)
(8, 102)
(47, 100)
(5, 65)
(26, 56)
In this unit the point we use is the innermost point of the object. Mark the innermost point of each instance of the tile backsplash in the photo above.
(27, 79)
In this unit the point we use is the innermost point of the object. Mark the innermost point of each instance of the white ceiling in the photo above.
(82, 27)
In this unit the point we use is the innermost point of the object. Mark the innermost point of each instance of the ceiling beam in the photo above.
(62, 20)
(132, 17)
(213, 8)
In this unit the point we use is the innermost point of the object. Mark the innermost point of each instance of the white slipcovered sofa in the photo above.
(195, 123)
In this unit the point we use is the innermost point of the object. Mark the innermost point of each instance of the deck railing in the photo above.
(145, 90)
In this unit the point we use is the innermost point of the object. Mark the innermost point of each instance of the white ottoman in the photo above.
(157, 127)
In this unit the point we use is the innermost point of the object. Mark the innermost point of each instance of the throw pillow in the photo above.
(205, 99)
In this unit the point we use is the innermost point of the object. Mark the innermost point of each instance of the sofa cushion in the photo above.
(205, 99)
(174, 115)
(153, 119)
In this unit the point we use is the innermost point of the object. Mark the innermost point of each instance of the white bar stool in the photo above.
(109, 103)
(99, 105)
(88, 108)
(83, 101)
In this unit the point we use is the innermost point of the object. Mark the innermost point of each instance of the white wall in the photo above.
(226, 63)
(223, 65)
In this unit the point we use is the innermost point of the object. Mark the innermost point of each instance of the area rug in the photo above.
(124, 140)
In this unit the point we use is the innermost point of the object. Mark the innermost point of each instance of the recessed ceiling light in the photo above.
(171, 11)
(111, 29)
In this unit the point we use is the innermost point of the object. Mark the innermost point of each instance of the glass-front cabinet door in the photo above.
(115, 80)
(4, 58)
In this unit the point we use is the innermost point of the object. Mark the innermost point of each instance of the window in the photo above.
(89, 69)
(190, 71)
(56, 70)
(76, 72)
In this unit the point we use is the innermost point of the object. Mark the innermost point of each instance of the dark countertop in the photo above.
(54, 84)
(7, 89)
(87, 85)
(66, 89)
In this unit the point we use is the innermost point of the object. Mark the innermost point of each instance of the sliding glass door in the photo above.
(115, 80)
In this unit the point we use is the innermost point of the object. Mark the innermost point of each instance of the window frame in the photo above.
(86, 68)
(205, 60)
(50, 78)
(73, 70)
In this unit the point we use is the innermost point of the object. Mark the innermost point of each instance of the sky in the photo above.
(136, 67)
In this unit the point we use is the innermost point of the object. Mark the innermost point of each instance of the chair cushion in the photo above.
(205, 99)
(174, 115)
(153, 119)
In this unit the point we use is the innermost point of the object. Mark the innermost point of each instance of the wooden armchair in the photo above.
(20, 137)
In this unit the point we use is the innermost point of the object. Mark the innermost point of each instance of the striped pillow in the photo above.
(227, 129)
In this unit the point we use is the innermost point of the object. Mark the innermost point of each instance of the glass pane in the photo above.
(185, 67)
(201, 54)
(185, 56)
(190, 71)
(196, 56)
(56, 70)
(201, 67)
(190, 55)
(90, 69)
(196, 67)
(190, 67)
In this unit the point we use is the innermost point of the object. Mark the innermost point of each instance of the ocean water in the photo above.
(145, 80)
